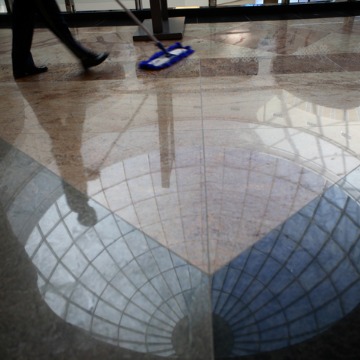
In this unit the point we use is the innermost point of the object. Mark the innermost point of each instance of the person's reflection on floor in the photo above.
(79, 203)
(65, 132)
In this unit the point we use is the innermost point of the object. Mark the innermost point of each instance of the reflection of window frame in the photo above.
(9, 5)
(70, 5)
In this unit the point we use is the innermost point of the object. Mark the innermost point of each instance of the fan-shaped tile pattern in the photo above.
(115, 282)
(297, 281)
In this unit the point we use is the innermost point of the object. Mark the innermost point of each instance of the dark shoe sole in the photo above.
(94, 60)
(29, 72)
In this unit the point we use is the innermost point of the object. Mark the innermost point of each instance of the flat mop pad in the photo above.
(163, 59)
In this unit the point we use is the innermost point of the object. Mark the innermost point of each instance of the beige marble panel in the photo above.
(5, 51)
(160, 190)
(209, 155)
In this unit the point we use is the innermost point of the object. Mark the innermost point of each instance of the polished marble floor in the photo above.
(207, 211)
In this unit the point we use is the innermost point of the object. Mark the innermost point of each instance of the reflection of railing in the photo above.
(8, 4)
(72, 6)
(138, 4)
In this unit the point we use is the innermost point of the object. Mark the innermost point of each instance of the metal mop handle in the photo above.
(137, 21)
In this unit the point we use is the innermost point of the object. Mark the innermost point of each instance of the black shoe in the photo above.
(94, 60)
(33, 70)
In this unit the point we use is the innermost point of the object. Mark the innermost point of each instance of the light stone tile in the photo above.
(205, 158)
(107, 230)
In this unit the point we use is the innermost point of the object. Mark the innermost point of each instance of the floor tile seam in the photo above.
(304, 161)
(348, 187)
(208, 274)
(341, 183)
(344, 69)
(32, 218)
(9, 82)
(210, 271)
(301, 130)
(206, 215)
(41, 168)
(205, 128)
(275, 126)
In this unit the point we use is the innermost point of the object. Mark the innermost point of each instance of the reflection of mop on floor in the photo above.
(164, 58)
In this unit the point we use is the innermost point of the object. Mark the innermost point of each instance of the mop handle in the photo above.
(151, 36)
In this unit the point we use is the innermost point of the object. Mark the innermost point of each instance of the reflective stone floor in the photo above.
(207, 211)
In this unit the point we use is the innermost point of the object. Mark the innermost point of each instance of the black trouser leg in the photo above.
(23, 18)
(50, 12)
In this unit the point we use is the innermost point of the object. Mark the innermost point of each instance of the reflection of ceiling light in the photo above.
(113, 281)
(297, 281)
(126, 289)
(248, 193)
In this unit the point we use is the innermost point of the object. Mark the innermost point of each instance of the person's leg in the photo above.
(23, 18)
(51, 13)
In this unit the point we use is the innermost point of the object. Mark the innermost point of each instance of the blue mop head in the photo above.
(161, 59)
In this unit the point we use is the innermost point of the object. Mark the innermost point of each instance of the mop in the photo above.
(164, 58)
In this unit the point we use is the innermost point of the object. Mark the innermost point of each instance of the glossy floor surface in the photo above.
(206, 211)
